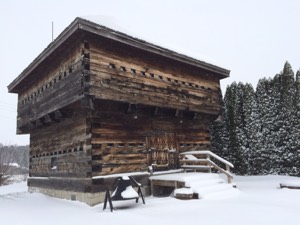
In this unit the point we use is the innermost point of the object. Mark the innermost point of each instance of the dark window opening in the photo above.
(111, 66)
(110, 145)
(96, 157)
(54, 163)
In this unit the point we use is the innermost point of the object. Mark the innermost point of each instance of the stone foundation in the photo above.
(88, 198)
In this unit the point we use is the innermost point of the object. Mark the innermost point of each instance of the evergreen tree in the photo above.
(238, 132)
(295, 133)
(297, 121)
(260, 133)
(242, 112)
(297, 91)
(238, 144)
(219, 135)
(285, 117)
(231, 124)
(229, 100)
(266, 114)
(251, 125)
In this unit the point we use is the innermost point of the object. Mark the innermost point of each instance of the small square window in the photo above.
(53, 163)
(111, 66)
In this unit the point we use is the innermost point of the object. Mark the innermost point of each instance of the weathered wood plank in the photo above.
(152, 77)
(147, 64)
(68, 91)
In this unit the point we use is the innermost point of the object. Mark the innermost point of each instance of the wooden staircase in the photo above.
(207, 161)
(198, 179)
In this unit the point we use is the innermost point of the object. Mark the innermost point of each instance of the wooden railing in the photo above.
(199, 160)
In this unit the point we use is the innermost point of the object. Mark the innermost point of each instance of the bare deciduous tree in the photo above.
(7, 157)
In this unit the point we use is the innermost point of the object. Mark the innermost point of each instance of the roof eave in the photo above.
(12, 87)
(92, 27)
(135, 42)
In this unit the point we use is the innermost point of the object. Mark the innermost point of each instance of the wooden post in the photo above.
(152, 188)
(228, 177)
(208, 164)
(176, 184)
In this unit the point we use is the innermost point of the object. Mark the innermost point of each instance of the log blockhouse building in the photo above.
(98, 102)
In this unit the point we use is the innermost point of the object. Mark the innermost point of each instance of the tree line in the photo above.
(13, 160)
(260, 129)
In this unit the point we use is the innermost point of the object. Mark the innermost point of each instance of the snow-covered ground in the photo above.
(260, 201)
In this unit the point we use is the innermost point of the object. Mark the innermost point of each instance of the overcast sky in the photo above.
(253, 39)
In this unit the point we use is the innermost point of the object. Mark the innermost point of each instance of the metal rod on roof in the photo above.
(52, 30)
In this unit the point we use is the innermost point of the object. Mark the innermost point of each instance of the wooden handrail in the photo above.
(208, 161)
(207, 152)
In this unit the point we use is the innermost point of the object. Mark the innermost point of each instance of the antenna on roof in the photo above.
(52, 30)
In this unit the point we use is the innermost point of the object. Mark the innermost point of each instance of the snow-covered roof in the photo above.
(83, 25)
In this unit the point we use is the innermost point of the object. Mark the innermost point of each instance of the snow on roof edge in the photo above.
(12, 86)
(119, 30)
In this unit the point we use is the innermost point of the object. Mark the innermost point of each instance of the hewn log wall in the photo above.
(129, 78)
(61, 150)
(119, 135)
(58, 86)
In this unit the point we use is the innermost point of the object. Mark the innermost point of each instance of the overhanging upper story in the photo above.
(89, 61)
